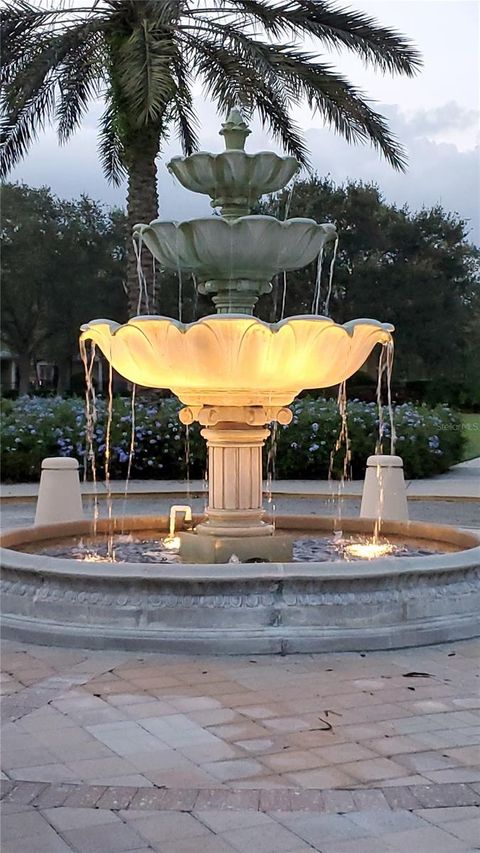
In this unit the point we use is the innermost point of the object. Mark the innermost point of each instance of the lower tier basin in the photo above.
(428, 593)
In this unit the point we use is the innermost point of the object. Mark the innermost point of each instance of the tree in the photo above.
(142, 56)
(62, 263)
(415, 270)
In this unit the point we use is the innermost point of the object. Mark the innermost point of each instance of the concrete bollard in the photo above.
(59, 497)
(384, 493)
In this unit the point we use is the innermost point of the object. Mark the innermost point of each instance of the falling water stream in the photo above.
(131, 450)
(318, 284)
(271, 470)
(90, 421)
(384, 372)
(142, 281)
(108, 443)
(330, 277)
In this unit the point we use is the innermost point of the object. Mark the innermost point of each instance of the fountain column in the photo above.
(235, 480)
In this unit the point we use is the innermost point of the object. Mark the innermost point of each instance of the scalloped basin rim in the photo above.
(235, 151)
(349, 326)
(141, 227)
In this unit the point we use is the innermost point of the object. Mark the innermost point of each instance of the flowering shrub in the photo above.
(428, 439)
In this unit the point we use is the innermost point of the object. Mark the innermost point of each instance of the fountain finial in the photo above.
(235, 130)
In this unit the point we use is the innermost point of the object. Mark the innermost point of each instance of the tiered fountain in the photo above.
(235, 375)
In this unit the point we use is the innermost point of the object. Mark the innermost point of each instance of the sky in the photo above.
(435, 115)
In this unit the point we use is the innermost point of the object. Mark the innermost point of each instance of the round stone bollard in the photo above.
(59, 497)
(384, 493)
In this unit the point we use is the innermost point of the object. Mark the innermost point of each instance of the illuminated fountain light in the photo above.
(171, 543)
(369, 550)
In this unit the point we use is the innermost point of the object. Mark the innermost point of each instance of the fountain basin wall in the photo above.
(240, 608)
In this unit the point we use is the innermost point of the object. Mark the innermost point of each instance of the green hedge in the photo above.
(430, 440)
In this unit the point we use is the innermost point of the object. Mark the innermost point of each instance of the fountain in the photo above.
(237, 375)
(233, 373)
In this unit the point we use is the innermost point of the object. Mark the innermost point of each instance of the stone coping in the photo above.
(333, 801)
(233, 572)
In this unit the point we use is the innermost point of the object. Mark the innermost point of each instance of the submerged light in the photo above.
(369, 550)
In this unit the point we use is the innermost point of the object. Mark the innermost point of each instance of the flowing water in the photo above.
(143, 300)
(271, 469)
(131, 449)
(318, 284)
(330, 278)
(108, 442)
(384, 376)
(90, 422)
(342, 444)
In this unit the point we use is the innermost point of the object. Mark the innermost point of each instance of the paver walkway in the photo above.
(114, 751)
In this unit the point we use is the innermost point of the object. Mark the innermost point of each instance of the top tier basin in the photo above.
(233, 179)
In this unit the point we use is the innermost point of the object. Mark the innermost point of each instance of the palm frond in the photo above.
(382, 46)
(110, 147)
(144, 72)
(183, 113)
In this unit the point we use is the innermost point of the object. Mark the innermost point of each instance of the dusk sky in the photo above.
(435, 115)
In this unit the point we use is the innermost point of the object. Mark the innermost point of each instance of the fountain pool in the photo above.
(235, 608)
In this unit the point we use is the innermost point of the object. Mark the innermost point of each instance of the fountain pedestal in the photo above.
(234, 523)
(235, 481)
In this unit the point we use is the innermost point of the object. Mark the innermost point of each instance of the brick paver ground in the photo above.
(113, 751)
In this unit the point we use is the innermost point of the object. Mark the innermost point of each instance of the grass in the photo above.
(471, 429)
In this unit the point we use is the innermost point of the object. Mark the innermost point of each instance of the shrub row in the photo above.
(430, 440)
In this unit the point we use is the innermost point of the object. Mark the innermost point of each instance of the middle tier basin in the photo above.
(250, 247)
(237, 360)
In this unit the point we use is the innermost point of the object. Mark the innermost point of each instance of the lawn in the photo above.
(471, 429)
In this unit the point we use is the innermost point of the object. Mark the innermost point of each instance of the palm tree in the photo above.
(141, 57)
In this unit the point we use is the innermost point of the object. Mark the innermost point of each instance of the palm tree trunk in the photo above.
(142, 206)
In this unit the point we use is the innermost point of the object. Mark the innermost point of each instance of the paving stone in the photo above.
(52, 795)
(25, 792)
(22, 825)
(212, 844)
(170, 826)
(104, 838)
(380, 822)
(370, 799)
(71, 818)
(465, 830)
(327, 777)
(442, 815)
(292, 760)
(400, 798)
(221, 820)
(339, 801)
(373, 770)
(239, 768)
(343, 753)
(275, 799)
(308, 801)
(429, 840)
(460, 774)
(224, 799)
(85, 796)
(433, 796)
(319, 828)
(6, 786)
(271, 838)
(46, 843)
(116, 798)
